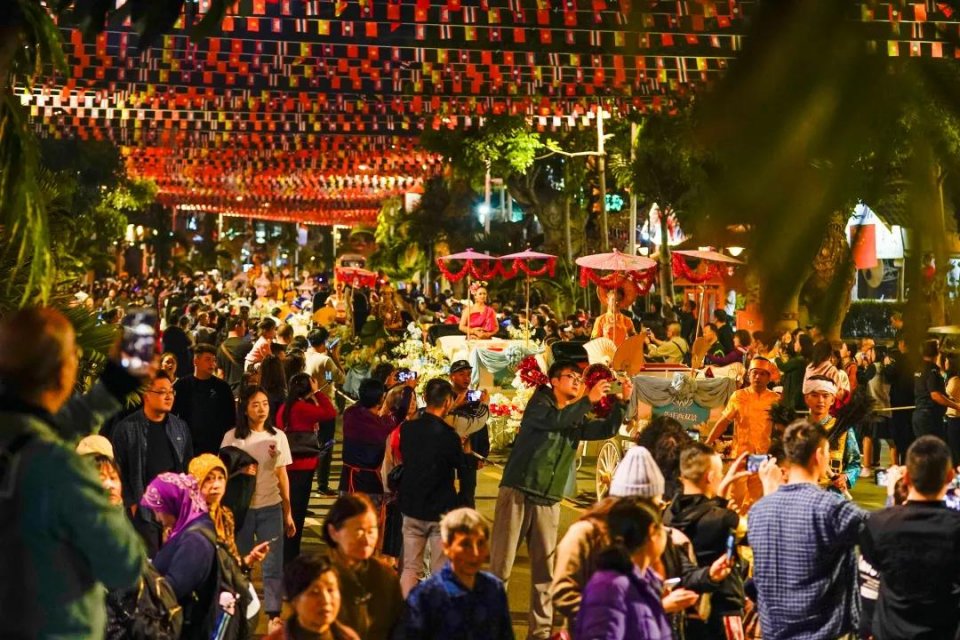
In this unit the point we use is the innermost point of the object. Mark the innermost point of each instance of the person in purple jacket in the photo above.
(622, 599)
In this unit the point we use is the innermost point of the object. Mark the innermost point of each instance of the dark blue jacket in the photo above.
(441, 607)
(130, 450)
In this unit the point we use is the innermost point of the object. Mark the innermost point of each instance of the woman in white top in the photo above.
(269, 517)
(951, 367)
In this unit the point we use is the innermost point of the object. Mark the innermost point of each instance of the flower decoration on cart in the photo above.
(429, 361)
(507, 412)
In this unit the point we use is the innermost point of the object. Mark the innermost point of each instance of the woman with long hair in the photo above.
(273, 380)
(168, 363)
(269, 517)
(298, 417)
(372, 600)
(951, 367)
(623, 598)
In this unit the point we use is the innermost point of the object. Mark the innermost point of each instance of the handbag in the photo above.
(395, 477)
(303, 444)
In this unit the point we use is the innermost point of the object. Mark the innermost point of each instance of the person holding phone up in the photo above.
(469, 417)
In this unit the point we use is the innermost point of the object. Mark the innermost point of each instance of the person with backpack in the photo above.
(187, 559)
(61, 539)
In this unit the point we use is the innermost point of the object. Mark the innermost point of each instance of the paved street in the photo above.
(865, 493)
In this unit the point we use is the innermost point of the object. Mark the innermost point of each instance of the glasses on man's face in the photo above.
(160, 392)
(572, 376)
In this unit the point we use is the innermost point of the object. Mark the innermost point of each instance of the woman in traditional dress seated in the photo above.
(478, 321)
(614, 325)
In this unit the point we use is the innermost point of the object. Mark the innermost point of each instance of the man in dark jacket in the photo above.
(724, 330)
(233, 351)
(897, 372)
(916, 549)
(205, 402)
(178, 342)
(147, 443)
(930, 395)
(61, 541)
(702, 513)
(554, 422)
(432, 459)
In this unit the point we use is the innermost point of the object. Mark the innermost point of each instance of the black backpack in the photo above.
(150, 610)
(224, 622)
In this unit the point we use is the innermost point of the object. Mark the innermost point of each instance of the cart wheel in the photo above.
(607, 461)
(581, 453)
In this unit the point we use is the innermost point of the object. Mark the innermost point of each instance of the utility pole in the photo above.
(602, 168)
(486, 201)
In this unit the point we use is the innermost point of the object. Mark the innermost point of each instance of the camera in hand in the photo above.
(754, 462)
(406, 375)
(615, 387)
(474, 395)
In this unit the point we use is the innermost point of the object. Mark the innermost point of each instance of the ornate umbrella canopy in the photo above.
(615, 261)
(476, 265)
(641, 271)
(520, 262)
(711, 256)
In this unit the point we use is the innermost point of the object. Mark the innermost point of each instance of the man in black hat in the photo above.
(469, 418)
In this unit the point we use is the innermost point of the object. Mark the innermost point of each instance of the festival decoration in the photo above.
(286, 77)
(682, 270)
(356, 277)
(480, 266)
(594, 374)
(530, 374)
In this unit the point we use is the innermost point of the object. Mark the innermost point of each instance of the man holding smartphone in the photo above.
(469, 418)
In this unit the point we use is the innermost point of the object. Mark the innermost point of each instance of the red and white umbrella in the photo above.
(468, 255)
(711, 256)
(519, 262)
(470, 259)
(616, 261)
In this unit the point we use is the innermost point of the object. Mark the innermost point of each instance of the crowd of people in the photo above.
(110, 509)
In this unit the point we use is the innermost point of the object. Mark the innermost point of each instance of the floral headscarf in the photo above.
(178, 495)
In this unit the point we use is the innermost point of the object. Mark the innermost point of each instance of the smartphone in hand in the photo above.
(139, 342)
